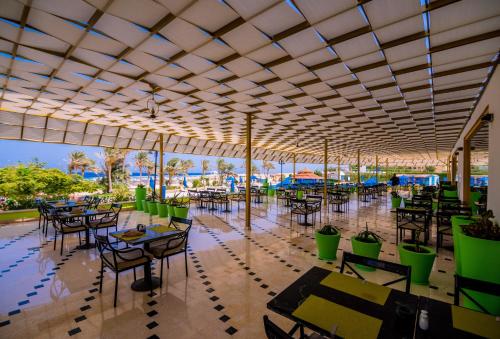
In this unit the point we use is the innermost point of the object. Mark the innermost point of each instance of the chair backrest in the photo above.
(475, 285)
(116, 207)
(176, 222)
(403, 270)
(273, 331)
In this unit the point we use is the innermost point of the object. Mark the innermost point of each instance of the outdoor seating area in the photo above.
(281, 169)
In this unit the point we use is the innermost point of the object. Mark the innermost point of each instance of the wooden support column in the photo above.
(376, 168)
(325, 173)
(293, 177)
(338, 169)
(161, 167)
(248, 196)
(465, 184)
(359, 167)
(387, 169)
(453, 170)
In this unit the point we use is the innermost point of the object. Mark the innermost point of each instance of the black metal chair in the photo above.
(315, 205)
(403, 270)
(194, 196)
(67, 225)
(178, 244)
(298, 208)
(474, 285)
(273, 331)
(119, 260)
(238, 197)
(108, 220)
(414, 220)
(94, 203)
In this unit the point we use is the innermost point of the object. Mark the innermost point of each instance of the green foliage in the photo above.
(121, 192)
(196, 183)
(21, 184)
(318, 173)
(328, 230)
(368, 236)
(484, 228)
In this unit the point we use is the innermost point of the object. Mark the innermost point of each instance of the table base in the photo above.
(86, 246)
(141, 285)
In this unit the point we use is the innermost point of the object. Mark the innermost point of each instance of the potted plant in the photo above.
(395, 199)
(181, 208)
(367, 244)
(145, 205)
(162, 207)
(171, 203)
(153, 210)
(420, 258)
(479, 250)
(327, 241)
(140, 195)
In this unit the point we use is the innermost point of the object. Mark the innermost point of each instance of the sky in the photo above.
(56, 155)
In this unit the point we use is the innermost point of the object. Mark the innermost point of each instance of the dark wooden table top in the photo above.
(149, 236)
(309, 284)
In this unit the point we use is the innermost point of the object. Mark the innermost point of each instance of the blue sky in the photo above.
(56, 155)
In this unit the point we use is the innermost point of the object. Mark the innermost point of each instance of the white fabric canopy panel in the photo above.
(393, 78)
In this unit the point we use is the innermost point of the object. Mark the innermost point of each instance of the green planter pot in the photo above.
(327, 245)
(145, 206)
(170, 210)
(473, 198)
(181, 212)
(366, 249)
(421, 263)
(140, 195)
(395, 202)
(271, 192)
(456, 221)
(300, 194)
(162, 210)
(479, 260)
(152, 208)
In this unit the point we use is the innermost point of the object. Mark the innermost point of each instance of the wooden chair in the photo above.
(119, 260)
(108, 220)
(168, 247)
(474, 285)
(402, 270)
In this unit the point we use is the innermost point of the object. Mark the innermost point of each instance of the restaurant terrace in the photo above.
(364, 85)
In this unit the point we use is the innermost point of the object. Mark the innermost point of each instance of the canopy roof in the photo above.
(393, 78)
(307, 174)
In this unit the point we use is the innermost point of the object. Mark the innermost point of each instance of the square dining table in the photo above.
(86, 215)
(153, 232)
(322, 300)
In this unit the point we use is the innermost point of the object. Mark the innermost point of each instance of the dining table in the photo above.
(87, 215)
(67, 205)
(153, 233)
(327, 301)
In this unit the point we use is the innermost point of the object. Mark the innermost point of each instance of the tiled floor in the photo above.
(233, 273)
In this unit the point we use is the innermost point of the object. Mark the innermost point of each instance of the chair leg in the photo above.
(116, 288)
(55, 240)
(161, 272)
(101, 277)
(186, 262)
(168, 263)
(79, 239)
(135, 276)
(62, 243)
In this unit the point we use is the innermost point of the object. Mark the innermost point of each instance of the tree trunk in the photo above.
(83, 172)
(110, 181)
(140, 175)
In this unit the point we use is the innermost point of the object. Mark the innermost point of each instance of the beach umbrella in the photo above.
(184, 182)
(241, 180)
(232, 186)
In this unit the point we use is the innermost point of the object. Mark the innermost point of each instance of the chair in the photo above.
(194, 196)
(204, 198)
(94, 203)
(109, 219)
(168, 247)
(119, 260)
(403, 270)
(298, 208)
(475, 285)
(238, 197)
(414, 220)
(316, 205)
(47, 215)
(273, 331)
(67, 225)
(281, 195)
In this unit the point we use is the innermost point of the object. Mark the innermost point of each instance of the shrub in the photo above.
(121, 192)
(196, 183)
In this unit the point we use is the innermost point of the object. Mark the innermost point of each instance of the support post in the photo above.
(376, 168)
(465, 184)
(293, 177)
(359, 168)
(325, 173)
(387, 170)
(248, 170)
(453, 171)
(338, 169)
(161, 167)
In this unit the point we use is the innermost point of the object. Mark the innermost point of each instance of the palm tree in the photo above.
(205, 166)
(141, 162)
(186, 165)
(267, 166)
(111, 158)
(75, 160)
(173, 167)
(87, 164)
(224, 169)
